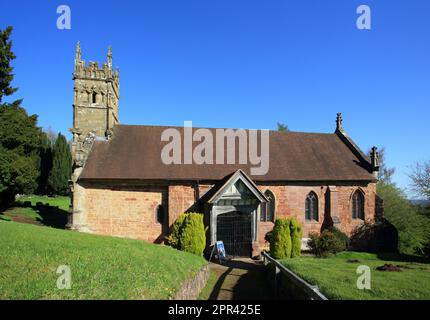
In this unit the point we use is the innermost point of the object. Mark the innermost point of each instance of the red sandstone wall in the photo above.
(290, 202)
(129, 213)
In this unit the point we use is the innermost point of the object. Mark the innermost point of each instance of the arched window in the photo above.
(160, 214)
(358, 205)
(94, 97)
(270, 206)
(311, 206)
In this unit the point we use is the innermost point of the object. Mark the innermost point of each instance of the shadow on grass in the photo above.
(50, 216)
(402, 257)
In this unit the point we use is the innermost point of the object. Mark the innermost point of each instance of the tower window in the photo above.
(311, 207)
(94, 97)
(358, 205)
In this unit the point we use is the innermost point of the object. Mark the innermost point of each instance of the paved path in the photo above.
(240, 279)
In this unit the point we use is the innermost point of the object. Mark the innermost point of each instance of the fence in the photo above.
(287, 284)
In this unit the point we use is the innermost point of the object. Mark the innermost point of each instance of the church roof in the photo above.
(134, 153)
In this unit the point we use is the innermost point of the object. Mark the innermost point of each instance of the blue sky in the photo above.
(241, 64)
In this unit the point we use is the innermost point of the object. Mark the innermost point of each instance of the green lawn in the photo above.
(337, 278)
(101, 267)
(50, 211)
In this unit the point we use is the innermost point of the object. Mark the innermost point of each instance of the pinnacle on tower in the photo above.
(109, 56)
(78, 51)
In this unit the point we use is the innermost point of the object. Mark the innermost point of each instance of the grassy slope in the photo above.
(102, 267)
(337, 278)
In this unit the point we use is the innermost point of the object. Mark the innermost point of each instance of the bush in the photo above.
(296, 237)
(281, 245)
(325, 243)
(193, 238)
(173, 239)
(379, 236)
(188, 233)
(341, 236)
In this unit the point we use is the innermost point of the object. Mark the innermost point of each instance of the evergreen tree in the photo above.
(45, 164)
(20, 138)
(61, 171)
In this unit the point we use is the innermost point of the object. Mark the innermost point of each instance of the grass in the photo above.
(337, 278)
(50, 211)
(210, 285)
(101, 267)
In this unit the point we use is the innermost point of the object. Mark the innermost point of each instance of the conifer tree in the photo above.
(61, 171)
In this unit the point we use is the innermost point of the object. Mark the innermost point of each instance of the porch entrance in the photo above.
(234, 229)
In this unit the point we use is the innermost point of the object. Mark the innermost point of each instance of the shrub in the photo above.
(325, 243)
(378, 236)
(342, 237)
(280, 245)
(192, 237)
(173, 239)
(296, 237)
(188, 233)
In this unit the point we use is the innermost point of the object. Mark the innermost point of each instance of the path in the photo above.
(240, 279)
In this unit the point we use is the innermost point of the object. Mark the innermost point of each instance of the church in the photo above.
(121, 187)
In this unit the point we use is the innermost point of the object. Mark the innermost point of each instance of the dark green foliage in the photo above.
(6, 56)
(343, 238)
(379, 236)
(20, 138)
(412, 227)
(325, 243)
(45, 165)
(281, 245)
(188, 233)
(20, 141)
(296, 237)
(61, 167)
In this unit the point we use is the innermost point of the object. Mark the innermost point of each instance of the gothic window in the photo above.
(358, 205)
(160, 214)
(94, 97)
(311, 207)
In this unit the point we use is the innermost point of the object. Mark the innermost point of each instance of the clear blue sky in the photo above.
(242, 64)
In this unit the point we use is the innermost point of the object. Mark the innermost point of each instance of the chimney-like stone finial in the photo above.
(78, 52)
(374, 160)
(339, 121)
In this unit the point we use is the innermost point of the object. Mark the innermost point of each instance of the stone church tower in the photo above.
(95, 112)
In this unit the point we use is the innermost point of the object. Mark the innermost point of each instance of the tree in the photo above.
(20, 138)
(282, 127)
(412, 227)
(6, 56)
(61, 171)
(420, 179)
(45, 164)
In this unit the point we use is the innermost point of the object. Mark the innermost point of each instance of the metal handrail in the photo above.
(312, 291)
